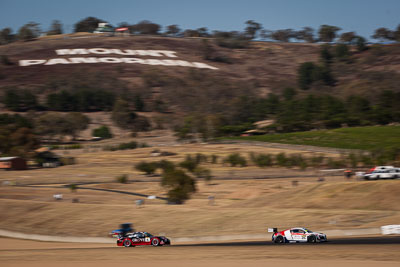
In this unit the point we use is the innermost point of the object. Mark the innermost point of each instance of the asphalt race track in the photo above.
(382, 251)
(388, 240)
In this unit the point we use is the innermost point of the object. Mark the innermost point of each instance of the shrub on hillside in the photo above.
(336, 163)
(189, 163)
(297, 160)
(201, 158)
(81, 100)
(214, 159)
(147, 167)
(203, 173)
(262, 160)
(73, 187)
(20, 100)
(125, 118)
(231, 40)
(342, 52)
(317, 160)
(281, 159)
(123, 179)
(180, 185)
(166, 165)
(236, 159)
(124, 146)
(103, 132)
(73, 146)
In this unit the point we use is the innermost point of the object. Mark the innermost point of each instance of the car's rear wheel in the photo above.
(155, 242)
(312, 239)
(127, 243)
(279, 239)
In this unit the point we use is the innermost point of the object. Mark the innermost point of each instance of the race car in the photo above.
(382, 172)
(296, 235)
(142, 239)
(127, 238)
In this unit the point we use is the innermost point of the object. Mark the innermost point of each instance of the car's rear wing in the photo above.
(272, 230)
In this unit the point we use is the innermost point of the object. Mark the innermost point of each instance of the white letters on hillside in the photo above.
(131, 60)
(31, 62)
(124, 52)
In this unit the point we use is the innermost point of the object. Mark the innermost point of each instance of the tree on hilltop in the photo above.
(55, 28)
(145, 27)
(173, 30)
(6, 36)
(29, 31)
(347, 37)
(361, 43)
(88, 24)
(265, 34)
(252, 29)
(383, 34)
(327, 33)
(307, 35)
(396, 34)
(282, 35)
(203, 32)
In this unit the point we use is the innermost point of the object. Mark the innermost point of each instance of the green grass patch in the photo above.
(365, 138)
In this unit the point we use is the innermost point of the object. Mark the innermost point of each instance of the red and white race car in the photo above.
(296, 235)
(128, 238)
(142, 239)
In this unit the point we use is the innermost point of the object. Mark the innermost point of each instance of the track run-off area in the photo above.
(349, 251)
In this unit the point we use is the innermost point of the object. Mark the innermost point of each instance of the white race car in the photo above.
(296, 235)
(382, 172)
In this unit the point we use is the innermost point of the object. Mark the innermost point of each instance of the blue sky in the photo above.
(362, 16)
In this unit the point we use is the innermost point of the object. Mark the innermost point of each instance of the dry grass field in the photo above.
(93, 164)
(242, 205)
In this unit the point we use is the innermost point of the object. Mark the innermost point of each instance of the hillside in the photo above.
(193, 85)
(264, 66)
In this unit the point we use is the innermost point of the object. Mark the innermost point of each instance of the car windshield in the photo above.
(148, 234)
(308, 231)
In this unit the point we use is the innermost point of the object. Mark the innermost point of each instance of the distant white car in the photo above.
(297, 235)
(382, 172)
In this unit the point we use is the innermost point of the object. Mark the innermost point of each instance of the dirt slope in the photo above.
(265, 64)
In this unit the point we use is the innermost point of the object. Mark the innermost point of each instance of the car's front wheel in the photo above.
(312, 239)
(155, 242)
(127, 243)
